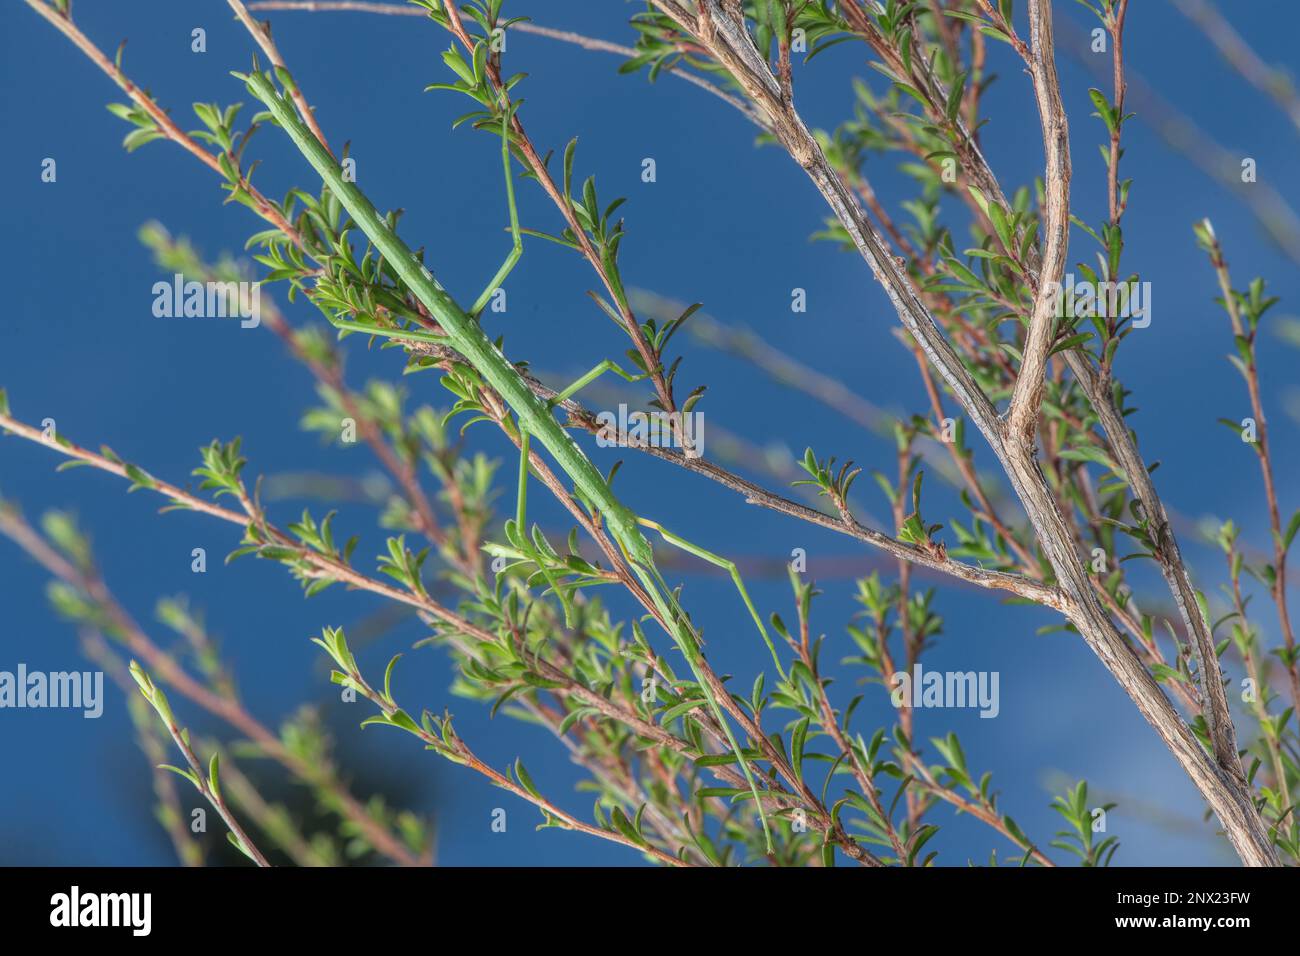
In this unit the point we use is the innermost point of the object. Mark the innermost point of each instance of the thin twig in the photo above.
(261, 32)
(564, 36)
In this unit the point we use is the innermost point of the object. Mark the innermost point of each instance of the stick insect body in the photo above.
(535, 416)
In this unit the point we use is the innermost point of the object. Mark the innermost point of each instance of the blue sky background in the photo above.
(725, 224)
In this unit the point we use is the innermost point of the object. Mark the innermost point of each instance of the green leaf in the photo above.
(954, 98)
(677, 710)
(1016, 833)
(388, 677)
(1002, 227)
(1289, 535)
(187, 774)
(625, 827)
(454, 60)
(1104, 109)
(922, 837)
(797, 740)
(139, 477)
(138, 137)
(525, 780)
(238, 844)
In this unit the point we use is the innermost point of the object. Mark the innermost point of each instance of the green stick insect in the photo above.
(535, 417)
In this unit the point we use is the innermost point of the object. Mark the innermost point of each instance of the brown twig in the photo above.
(564, 36)
(1263, 449)
(264, 207)
(261, 32)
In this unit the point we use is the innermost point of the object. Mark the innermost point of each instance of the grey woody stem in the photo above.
(1022, 415)
(1219, 781)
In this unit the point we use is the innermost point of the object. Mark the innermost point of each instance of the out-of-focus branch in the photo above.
(1269, 80)
(226, 708)
(1269, 207)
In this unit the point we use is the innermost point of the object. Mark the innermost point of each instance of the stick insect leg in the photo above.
(517, 250)
(689, 642)
(521, 500)
(414, 335)
(526, 544)
(609, 365)
(731, 569)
